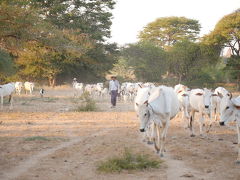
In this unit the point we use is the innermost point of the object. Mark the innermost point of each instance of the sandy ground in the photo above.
(76, 142)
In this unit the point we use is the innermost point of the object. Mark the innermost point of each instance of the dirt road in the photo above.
(69, 145)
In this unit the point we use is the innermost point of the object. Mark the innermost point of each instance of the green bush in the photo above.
(88, 104)
(128, 161)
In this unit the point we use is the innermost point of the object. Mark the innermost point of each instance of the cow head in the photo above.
(228, 110)
(207, 98)
(144, 115)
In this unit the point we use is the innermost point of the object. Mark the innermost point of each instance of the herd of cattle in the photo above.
(10, 88)
(157, 105)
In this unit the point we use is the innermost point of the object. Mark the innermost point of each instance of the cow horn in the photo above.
(146, 102)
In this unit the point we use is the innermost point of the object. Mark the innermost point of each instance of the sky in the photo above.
(130, 16)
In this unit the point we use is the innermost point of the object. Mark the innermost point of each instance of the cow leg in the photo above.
(10, 101)
(163, 137)
(201, 120)
(183, 114)
(191, 123)
(1, 102)
(156, 138)
(213, 113)
(147, 134)
(159, 141)
(238, 133)
(152, 132)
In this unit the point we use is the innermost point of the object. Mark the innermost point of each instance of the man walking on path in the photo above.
(114, 88)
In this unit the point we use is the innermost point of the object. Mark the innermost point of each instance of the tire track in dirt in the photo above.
(32, 161)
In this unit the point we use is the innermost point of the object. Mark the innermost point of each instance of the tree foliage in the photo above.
(148, 60)
(167, 31)
(227, 35)
(123, 71)
(51, 39)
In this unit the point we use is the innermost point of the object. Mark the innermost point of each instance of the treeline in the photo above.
(170, 51)
(55, 40)
(52, 41)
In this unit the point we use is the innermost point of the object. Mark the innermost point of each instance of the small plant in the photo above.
(50, 99)
(88, 104)
(36, 138)
(128, 161)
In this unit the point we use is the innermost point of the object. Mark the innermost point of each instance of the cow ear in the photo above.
(140, 85)
(237, 107)
(199, 94)
(230, 95)
(179, 91)
(137, 104)
(146, 102)
(220, 95)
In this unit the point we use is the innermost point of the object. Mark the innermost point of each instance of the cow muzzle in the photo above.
(221, 123)
(206, 107)
(141, 130)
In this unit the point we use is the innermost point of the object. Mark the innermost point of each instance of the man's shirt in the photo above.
(114, 85)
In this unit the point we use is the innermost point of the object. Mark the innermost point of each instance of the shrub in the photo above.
(88, 104)
(128, 161)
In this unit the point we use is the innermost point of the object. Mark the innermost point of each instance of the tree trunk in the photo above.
(238, 82)
(52, 81)
(180, 79)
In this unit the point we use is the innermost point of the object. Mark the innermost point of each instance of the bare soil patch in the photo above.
(74, 142)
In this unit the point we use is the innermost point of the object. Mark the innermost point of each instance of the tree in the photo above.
(226, 34)
(183, 56)
(91, 17)
(149, 61)
(6, 65)
(51, 39)
(16, 25)
(167, 31)
(123, 70)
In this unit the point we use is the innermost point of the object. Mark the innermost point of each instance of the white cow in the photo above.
(216, 100)
(142, 96)
(161, 107)
(230, 111)
(200, 101)
(18, 87)
(7, 90)
(98, 88)
(78, 87)
(104, 92)
(183, 98)
(29, 87)
(89, 88)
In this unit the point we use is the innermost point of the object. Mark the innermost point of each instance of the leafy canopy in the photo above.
(148, 60)
(167, 31)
